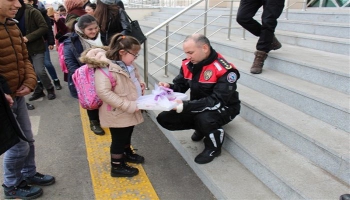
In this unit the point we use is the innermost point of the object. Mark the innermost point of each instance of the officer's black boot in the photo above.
(197, 136)
(120, 169)
(213, 143)
(38, 92)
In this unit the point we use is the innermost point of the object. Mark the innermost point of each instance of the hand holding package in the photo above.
(162, 99)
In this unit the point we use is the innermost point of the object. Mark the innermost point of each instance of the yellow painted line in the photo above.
(107, 187)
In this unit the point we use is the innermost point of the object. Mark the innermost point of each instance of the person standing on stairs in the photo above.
(213, 102)
(272, 9)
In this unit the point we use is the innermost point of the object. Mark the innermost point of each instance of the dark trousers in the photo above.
(93, 115)
(121, 137)
(208, 123)
(272, 9)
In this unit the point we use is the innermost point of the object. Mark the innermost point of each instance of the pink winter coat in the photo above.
(122, 99)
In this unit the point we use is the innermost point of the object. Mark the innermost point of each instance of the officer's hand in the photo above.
(167, 85)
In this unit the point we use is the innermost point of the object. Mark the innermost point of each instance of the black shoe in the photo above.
(123, 170)
(57, 84)
(132, 157)
(40, 179)
(96, 127)
(51, 94)
(36, 96)
(196, 136)
(207, 156)
(30, 106)
(22, 191)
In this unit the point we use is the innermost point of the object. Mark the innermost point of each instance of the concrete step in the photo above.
(314, 66)
(226, 178)
(311, 14)
(275, 164)
(331, 29)
(323, 103)
(317, 42)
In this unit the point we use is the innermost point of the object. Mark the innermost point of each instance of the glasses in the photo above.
(135, 55)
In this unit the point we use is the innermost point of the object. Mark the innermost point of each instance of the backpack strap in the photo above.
(106, 72)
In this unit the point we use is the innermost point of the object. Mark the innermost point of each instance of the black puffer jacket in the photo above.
(213, 84)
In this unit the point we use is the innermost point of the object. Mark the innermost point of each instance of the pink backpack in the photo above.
(61, 58)
(84, 81)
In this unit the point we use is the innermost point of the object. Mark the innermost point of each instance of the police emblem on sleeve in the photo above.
(208, 74)
(231, 77)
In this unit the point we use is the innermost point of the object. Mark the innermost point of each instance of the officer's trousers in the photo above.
(207, 123)
(272, 9)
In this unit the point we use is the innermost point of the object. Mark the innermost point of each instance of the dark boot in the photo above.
(213, 142)
(258, 63)
(275, 44)
(57, 84)
(38, 92)
(132, 157)
(197, 136)
(120, 169)
(96, 127)
(51, 94)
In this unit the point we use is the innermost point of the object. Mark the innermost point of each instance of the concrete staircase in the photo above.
(291, 140)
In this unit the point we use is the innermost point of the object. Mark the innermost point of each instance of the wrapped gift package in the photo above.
(162, 99)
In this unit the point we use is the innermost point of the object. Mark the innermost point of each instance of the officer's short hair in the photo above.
(199, 39)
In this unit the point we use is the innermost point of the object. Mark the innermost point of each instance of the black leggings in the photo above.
(121, 138)
(93, 115)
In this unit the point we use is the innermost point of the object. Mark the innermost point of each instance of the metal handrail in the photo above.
(168, 36)
(145, 47)
(303, 9)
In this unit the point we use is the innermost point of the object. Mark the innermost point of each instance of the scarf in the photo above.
(88, 42)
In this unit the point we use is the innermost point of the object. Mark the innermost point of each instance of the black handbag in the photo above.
(136, 31)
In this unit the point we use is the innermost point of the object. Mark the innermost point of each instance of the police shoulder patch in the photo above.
(224, 63)
(231, 77)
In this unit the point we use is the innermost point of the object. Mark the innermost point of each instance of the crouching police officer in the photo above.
(213, 100)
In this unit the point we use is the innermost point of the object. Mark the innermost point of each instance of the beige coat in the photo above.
(122, 99)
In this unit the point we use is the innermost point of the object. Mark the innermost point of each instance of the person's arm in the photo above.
(50, 36)
(71, 61)
(40, 23)
(180, 84)
(30, 79)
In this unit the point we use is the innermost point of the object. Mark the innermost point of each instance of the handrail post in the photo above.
(304, 5)
(145, 62)
(166, 50)
(243, 35)
(205, 17)
(230, 22)
(287, 3)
